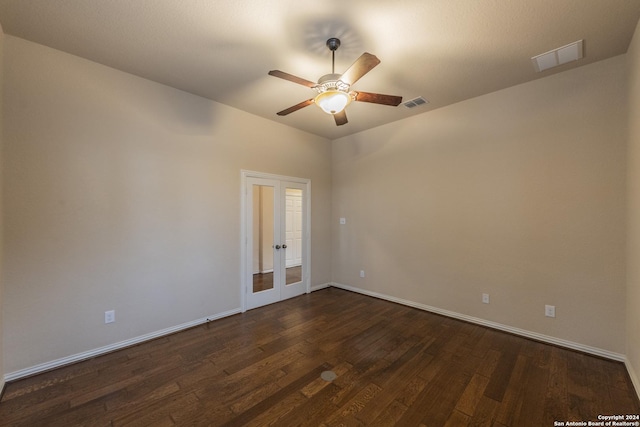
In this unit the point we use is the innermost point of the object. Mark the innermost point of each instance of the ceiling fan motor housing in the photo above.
(329, 77)
(331, 81)
(333, 43)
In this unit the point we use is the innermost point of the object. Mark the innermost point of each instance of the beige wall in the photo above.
(519, 194)
(633, 242)
(124, 194)
(2, 371)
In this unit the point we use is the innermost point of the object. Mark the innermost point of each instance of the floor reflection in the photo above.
(264, 281)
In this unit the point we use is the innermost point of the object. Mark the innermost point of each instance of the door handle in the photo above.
(284, 246)
(277, 247)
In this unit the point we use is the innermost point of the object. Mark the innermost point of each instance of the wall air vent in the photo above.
(415, 102)
(562, 55)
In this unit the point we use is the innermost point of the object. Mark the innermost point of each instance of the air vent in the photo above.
(415, 102)
(559, 56)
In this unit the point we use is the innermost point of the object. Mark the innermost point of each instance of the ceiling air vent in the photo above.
(415, 102)
(562, 55)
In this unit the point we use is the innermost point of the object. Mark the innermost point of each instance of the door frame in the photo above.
(244, 238)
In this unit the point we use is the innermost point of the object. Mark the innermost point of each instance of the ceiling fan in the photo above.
(334, 89)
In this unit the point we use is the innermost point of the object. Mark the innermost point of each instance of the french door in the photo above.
(275, 238)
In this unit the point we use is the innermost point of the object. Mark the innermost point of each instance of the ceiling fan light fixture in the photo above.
(332, 101)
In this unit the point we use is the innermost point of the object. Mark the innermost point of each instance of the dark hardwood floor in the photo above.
(395, 365)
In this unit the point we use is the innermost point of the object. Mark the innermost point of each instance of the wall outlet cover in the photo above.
(109, 316)
(550, 310)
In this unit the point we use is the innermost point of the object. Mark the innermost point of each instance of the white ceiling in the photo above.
(444, 50)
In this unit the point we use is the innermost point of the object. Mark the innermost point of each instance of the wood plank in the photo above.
(390, 415)
(392, 380)
(472, 395)
(513, 396)
(556, 402)
(500, 376)
(536, 380)
(458, 419)
(263, 405)
(318, 384)
(350, 410)
(314, 411)
(436, 402)
(485, 413)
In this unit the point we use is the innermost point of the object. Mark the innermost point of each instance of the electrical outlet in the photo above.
(550, 310)
(109, 316)
(485, 298)
(361, 273)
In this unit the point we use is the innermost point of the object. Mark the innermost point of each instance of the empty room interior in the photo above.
(190, 238)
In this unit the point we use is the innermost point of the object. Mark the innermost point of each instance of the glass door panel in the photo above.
(263, 228)
(263, 220)
(293, 234)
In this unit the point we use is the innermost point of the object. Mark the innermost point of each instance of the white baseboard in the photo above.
(634, 377)
(22, 373)
(499, 326)
(318, 287)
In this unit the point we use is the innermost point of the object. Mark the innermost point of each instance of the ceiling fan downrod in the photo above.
(333, 44)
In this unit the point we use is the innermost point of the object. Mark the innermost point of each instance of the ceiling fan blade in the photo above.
(362, 66)
(292, 78)
(295, 107)
(341, 118)
(378, 98)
